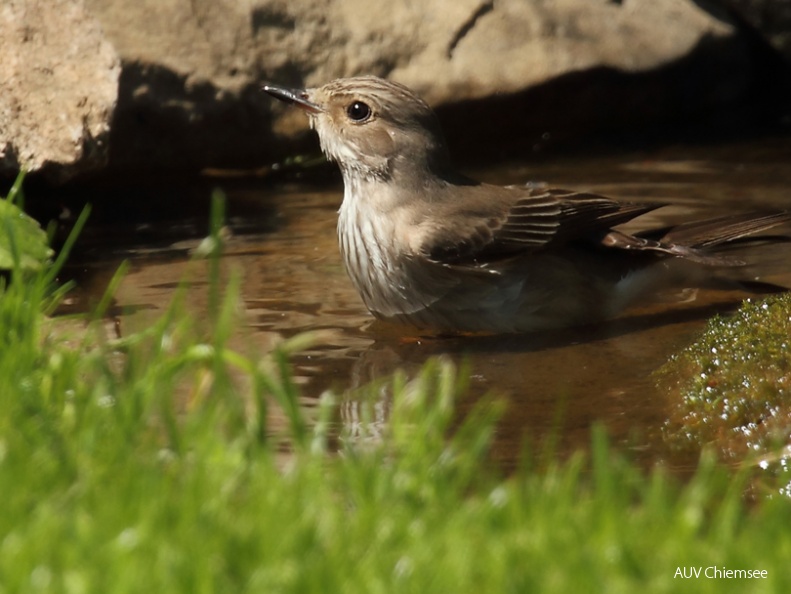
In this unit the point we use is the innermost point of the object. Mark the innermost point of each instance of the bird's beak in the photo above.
(298, 97)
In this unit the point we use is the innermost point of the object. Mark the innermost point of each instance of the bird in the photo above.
(427, 246)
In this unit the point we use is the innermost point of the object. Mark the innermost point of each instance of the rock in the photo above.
(479, 47)
(189, 94)
(58, 87)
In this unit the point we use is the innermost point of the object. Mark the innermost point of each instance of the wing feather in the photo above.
(530, 220)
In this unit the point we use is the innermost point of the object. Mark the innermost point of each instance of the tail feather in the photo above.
(720, 230)
(694, 241)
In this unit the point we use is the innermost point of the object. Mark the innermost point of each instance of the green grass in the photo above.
(23, 243)
(146, 464)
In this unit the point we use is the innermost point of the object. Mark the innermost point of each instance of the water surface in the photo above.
(283, 244)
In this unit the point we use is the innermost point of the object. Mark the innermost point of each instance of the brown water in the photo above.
(560, 383)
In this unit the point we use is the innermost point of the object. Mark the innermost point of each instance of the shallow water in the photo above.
(558, 384)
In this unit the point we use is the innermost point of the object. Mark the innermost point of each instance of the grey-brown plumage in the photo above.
(425, 245)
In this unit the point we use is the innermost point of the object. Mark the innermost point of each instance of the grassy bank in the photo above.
(144, 463)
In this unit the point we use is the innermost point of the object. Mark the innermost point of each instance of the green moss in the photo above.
(732, 387)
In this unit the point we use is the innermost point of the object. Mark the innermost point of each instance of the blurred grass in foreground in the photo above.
(144, 464)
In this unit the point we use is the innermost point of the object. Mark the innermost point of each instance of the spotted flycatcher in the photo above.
(428, 246)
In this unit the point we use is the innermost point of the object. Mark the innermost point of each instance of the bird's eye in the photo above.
(358, 111)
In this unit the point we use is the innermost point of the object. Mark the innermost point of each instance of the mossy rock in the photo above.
(731, 389)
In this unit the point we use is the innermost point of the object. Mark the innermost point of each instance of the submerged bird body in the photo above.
(425, 245)
(425, 271)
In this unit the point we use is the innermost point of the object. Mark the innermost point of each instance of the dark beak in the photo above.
(296, 96)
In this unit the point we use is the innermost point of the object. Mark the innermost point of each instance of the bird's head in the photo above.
(372, 127)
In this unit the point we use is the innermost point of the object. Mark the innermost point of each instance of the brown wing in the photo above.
(522, 220)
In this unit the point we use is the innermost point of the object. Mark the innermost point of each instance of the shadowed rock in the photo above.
(187, 92)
